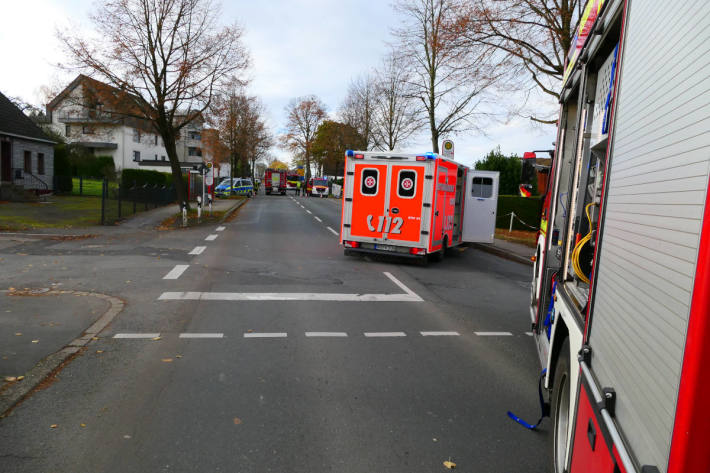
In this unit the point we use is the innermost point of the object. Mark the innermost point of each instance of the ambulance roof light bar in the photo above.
(426, 156)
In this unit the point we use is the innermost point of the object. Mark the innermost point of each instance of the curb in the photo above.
(20, 390)
(502, 253)
(234, 208)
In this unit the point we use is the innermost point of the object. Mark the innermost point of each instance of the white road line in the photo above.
(326, 334)
(220, 229)
(321, 221)
(493, 334)
(286, 296)
(201, 335)
(211, 237)
(308, 211)
(385, 334)
(136, 335)
(177, 271)
(197, 250)
(302, 206)
(402, 286)
(333, 231)
(265, 335)
(440, 334)
(529, 334)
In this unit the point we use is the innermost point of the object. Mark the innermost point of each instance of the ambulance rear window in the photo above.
(482, 187)
(407, 186)
(369, 181)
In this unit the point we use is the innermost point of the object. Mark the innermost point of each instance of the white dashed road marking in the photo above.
(333, 231)
(326, 334)
(211, 237)
(136, 335)
(384, 334)
(177, 271)
(493, 334)
(197, 250)
(220, 229)
(529, 334)
(265, 335)
(201, 335)
(318, 219)
(308, 211)
(440, 334)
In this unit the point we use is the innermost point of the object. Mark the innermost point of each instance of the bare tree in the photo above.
(447, 76)
(535, 34)
(358, 108)
(396, 117)
(168, 56)
(304, 115)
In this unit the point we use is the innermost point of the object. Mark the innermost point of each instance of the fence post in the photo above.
(119, 201)
(512, 216)
(81, 185)
(103, 201)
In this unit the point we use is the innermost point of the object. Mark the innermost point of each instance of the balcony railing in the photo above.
(88, 116)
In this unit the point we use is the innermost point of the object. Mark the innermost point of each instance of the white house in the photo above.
(85, 113)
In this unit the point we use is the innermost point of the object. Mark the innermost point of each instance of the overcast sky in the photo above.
(298, 47)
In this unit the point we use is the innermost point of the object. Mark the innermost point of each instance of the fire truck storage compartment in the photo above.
(657, 185)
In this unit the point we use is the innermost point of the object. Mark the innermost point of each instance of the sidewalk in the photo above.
(509, 250)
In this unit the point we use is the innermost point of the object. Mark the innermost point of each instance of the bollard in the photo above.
(512, 216)
(209, 202)
(199, 207)
(184, 214)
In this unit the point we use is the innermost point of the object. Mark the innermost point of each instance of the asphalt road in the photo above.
(269, 350)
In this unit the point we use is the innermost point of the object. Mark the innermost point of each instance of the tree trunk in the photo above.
(170, 148)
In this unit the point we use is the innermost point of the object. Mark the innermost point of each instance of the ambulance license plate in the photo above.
(385, 247)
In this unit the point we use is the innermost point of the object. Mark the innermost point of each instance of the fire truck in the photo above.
(620, 298)
(317, 186)
(414, 205)
(275, 181)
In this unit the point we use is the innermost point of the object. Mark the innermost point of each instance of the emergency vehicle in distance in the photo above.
(317, 186)
(620, 297)
(414, 205)
(275, 181)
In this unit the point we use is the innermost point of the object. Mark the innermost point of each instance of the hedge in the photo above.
(140, 177)
(526, 209)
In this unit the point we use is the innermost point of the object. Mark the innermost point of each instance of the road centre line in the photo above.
(136, 335)
(201, 335)
(440, 334)
(220, 229)
(286, 296)
(384, 334)
(265, 335)
(333, 231)
(177, 271)
(326, 334)
(308, 211)
(493, 334)
(197, 250)
(321, 221)
(211, 237)
(401, 285)
(529, 334)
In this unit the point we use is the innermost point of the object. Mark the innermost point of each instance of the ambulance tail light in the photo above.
(421, 158)
(351, 244)
(417, 251)
(359, 156)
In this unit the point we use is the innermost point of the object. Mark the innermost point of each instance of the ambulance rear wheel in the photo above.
(439, 256)
(560, 409)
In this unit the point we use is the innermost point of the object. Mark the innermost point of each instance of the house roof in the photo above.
(15, 123)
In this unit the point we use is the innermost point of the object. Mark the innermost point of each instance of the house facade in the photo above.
(86, 113)
(26, 153)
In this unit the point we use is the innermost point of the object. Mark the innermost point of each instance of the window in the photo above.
(156, 157)
(136, 156)
(162, 157)
(194, 151)
(28, 162)
(482, 187)
(40, 163)
(194, 135)
(407, 184)
(87, 130)
(136, 135)
(67, 130)
(156, 143)
(368, 182)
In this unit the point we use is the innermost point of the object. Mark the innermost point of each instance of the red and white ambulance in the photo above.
(414, 205)
(620, 299)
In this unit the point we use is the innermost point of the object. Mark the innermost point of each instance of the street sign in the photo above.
(208, 177)
(448, 149)
(209, 164)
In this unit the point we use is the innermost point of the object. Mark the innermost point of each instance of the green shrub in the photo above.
(63, 183)
(140, 177)
(526, 209)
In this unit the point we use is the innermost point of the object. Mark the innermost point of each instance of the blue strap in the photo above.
(607, 104)
(550, 312)
(544, 407)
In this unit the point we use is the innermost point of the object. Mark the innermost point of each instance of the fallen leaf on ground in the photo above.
(250, 331)
(11, 289)
(155, 339)
(18, 334)
(10, 379)
(99, 351)
(178, 356)
(450, 465)
(20, 378)
(53, 426)
(94, 338)
(82, 425)
(35, 341)
(237, 421)
(167, 360)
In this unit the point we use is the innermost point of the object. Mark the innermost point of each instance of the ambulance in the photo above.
(414, 205)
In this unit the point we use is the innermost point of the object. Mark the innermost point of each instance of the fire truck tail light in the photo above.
(417, 251)
(351, 244)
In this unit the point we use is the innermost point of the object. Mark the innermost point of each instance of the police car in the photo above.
(238, 186)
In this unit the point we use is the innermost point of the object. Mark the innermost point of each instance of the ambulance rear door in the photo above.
(405, 215)
(481, 203)
(365, 200)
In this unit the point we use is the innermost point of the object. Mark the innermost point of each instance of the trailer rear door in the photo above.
(481, 203)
